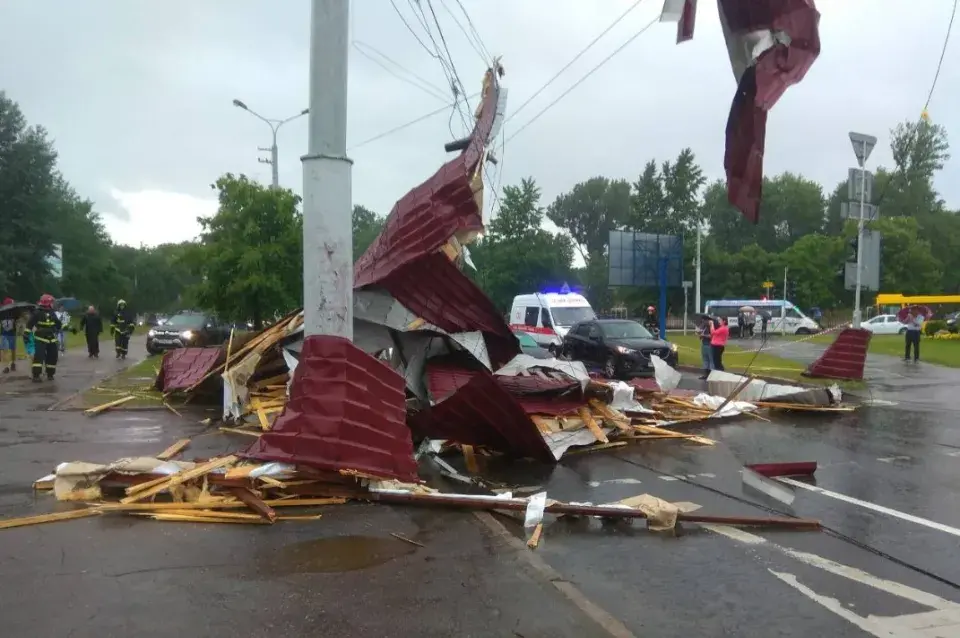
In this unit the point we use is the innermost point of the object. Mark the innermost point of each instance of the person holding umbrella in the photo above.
(913, 317)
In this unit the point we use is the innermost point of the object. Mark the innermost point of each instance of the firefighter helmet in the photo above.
(121, 303)
(651, 309)
(46, 301)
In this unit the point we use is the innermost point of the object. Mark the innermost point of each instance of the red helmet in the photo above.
(46, 301)
(651, 309)
(7, 301)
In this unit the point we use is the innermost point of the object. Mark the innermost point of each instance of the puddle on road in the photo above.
(337, 554)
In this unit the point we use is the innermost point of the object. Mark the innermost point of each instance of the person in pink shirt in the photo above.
(718, 341)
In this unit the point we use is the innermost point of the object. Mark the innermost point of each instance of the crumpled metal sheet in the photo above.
(346, 412)
(183, 367)
(482, 412)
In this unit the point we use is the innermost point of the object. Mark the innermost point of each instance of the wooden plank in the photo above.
(542, 424)
(181, 478)
(183, 518)
(106, 406)
(174, 450)
(254, 502)
(591, 424)
(470, 459)
(620, 421)
(535, 537)
(47, 518)
(239, 431)
(148, 507)
(262, 417)
(595, 448)
(171, 408)
(646, 429)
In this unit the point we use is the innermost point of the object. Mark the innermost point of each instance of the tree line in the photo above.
(247, 263)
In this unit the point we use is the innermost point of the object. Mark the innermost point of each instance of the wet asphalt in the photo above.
(885, 566)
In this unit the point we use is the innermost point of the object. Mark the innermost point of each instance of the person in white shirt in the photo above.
(914, 323)
(64, 318)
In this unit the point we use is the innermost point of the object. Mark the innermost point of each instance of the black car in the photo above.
(187, 329)
(529, 346)
(622, 348)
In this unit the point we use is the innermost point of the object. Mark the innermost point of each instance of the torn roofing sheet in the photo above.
(346, 412)
(772, 44)
(482, 412)
(184, 367)
(412, 258)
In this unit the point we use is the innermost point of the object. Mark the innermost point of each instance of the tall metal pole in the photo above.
(696, 293)
(273, 159)
(863, 193)
(327, 189)
(274, 128)
(783, 308)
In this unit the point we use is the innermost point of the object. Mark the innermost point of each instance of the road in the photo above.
(890, 475)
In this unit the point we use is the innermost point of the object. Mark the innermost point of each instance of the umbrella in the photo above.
(16, 308)
(914, 310)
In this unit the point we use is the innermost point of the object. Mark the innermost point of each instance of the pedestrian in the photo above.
(741, 324)
(64, 318)
(914, 324)
(651, 322)
(764, 320)
(718, 341)
(122, 327)
(43, 326)
(92, 326)
(8, 338)
(706, 350)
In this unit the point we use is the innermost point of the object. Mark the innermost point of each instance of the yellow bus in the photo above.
(891, 303)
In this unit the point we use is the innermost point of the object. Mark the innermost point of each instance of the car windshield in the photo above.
(185, 321)
(570, 316)
(625, 330)
(526, 341)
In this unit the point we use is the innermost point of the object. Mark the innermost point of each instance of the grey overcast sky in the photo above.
(137, 94)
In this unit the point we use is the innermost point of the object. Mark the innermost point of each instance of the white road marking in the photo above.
(940, 527)
(618, 481)
(669, 478)
(943, 622)
(891, 459)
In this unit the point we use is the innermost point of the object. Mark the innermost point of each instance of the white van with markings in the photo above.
(780, 312)
(547, 316)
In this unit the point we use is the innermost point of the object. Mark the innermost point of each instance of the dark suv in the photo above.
(622, 348)
(187, 329)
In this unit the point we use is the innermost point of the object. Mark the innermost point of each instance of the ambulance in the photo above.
(547, 316)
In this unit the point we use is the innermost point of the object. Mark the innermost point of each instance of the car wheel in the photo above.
(902, 331)
(610, 367)
(803, 331)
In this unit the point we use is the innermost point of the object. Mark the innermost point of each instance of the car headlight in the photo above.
(187, 334)
(673, 347)
(624, 350)
(151, 333)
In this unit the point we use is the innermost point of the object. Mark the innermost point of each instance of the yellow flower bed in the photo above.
(943, 335)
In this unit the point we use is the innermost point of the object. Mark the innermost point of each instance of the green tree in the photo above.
(249, 260)
(588, 213)
(517, 255)
(366, 226)
(908, 264)
(27, 195)
(810, 261)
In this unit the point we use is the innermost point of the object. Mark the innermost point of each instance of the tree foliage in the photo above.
(366, 226)
(249, 259)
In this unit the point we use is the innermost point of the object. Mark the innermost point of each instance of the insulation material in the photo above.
(79, 480)
(623, 398)
(346, 412)
(561, 441)
(732, 408)
(661, 515)
(667, 378)
(236, 395)
(725, 383)
(535, 506)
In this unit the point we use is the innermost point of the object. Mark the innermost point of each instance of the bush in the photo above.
(934, 326)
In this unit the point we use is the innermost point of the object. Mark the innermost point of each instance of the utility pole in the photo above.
(274, 127)
(862, 145)
(696, 293)
(327, 188)
(783, 308)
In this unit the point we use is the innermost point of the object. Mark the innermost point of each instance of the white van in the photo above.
(794, 321)
(547, 316)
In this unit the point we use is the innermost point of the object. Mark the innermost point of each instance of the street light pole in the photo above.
(857, 315)
(327, 194)
(274, 127)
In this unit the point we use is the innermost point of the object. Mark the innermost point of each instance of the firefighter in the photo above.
(121, 326)
(651, 322)
(44, 326)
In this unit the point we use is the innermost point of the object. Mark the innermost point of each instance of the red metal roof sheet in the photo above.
(183, 367)
(482, 412)
(346, 411)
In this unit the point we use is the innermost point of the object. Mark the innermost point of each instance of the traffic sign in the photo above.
(688, 284)
(768, 284)
(862, 146)
(855, 185)
(851, 210)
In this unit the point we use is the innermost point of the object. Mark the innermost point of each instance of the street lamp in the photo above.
(274, 127)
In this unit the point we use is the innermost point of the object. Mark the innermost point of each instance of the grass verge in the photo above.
(736, 359)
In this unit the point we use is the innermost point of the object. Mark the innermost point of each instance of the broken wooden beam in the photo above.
(254, 502)
(94, 411)
(174, 450)
(69, 515)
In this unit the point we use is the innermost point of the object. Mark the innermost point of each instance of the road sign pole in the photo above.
(862, 145)
(686, 297)
(663, 297)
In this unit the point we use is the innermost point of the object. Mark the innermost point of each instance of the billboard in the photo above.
(635, 258)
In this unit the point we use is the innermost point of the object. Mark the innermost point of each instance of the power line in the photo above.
(473, 28)
(577, 57)
(943, 52)
(474, 40)
(443, 39)
(424, 85)
(589, 73)
(397, 129)
(410, 29)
